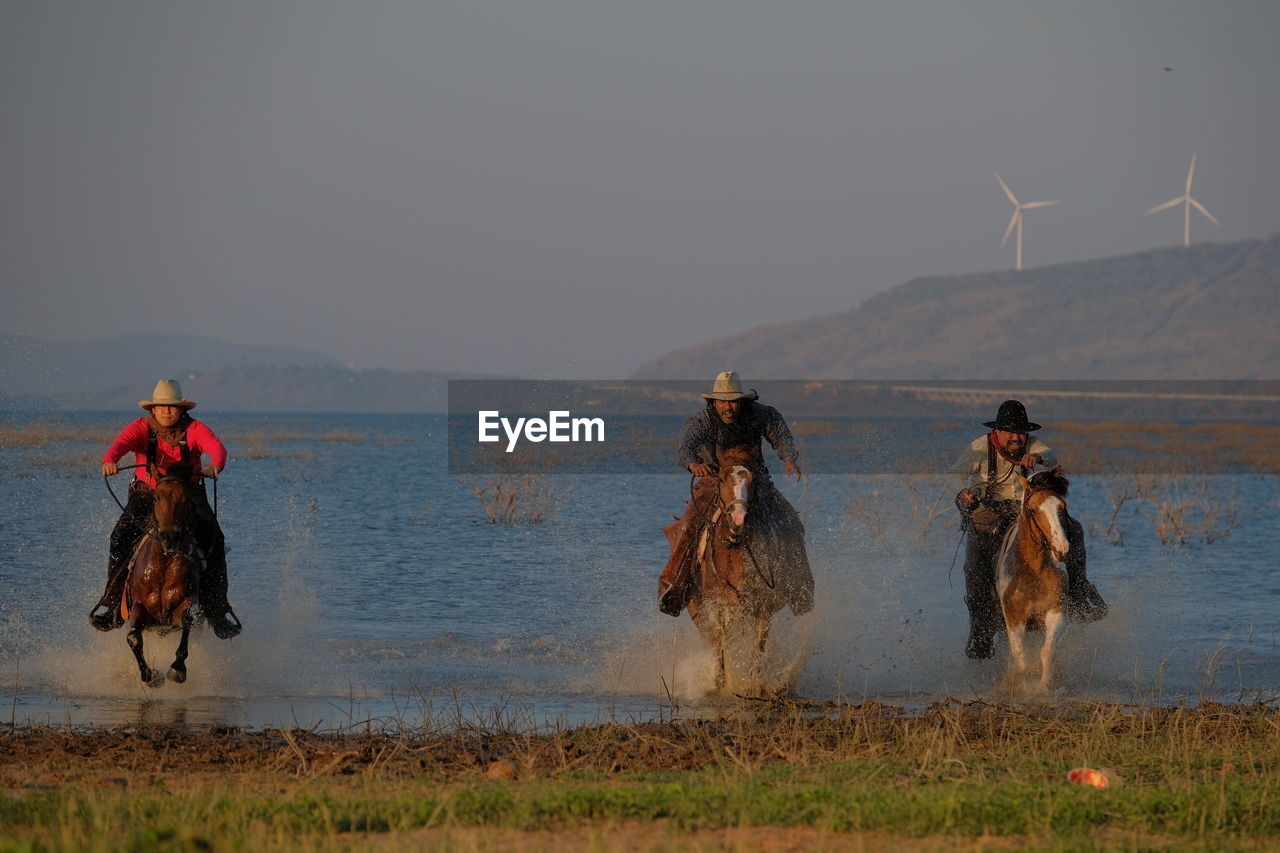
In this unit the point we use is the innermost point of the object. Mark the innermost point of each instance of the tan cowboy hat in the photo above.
(168, 393)
(729, 387)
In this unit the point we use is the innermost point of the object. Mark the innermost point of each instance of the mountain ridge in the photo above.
(115, 373)
(1202, 312)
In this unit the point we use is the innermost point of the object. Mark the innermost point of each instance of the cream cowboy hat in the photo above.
(728, 387)
(168, 393)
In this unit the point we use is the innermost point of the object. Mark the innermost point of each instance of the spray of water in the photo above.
(61, 657)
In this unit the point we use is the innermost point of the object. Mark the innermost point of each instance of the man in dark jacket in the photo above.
(733, 419)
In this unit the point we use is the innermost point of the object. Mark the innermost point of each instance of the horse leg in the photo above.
(134, 638)
(149, 676)
(178, 672)
(1053, 622)
(763, 621)
(704, 619)
(710, 624)
(1016, 632)
(718, 641)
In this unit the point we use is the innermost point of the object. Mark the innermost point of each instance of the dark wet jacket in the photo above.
(704, 432)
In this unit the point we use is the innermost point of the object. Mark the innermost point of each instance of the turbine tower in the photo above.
(1187, 203)
(1016, 221)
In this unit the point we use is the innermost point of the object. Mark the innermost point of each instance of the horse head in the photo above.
(172, 506)
(736, 482)
(1044, 506)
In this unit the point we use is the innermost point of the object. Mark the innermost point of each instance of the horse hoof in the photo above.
(155, 679)
(178, 676)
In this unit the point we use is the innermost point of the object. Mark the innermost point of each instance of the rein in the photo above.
(107, 482)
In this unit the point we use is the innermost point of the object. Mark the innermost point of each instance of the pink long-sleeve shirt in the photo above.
(133, 439)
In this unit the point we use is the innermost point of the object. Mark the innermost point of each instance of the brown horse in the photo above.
(164, 575)
(736, 586)
(1031, 576)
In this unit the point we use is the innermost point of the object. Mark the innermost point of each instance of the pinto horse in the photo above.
(164, 575)
(1031, 575)
(737, 586)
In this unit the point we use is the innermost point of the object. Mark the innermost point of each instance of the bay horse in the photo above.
(164, 575)
(736, 586)
(1031, 573)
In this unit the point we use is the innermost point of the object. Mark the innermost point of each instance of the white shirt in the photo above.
(970, 470)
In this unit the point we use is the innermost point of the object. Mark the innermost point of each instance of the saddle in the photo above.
(990, 518)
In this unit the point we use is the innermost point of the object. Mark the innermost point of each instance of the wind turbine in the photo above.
(1187, 203)
(1016, 221)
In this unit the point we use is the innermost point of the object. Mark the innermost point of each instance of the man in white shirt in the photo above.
(989, 500)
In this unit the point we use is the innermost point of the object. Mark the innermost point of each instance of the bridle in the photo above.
(736, 536)
(186, 545)
(725, 509)
(1038, 535)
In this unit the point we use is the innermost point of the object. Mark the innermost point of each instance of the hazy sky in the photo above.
(567, 188)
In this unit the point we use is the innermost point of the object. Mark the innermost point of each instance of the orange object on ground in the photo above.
(1088, 776)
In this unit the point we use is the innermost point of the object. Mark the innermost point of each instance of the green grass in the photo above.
(1200, 778)
(856, 797)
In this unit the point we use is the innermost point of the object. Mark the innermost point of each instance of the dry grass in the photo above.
(904, 514)
(41, 434)
(1169, 447)
(1161, 475)
(261, 443)
(516, 487)
(954, 776)
(1180, 507)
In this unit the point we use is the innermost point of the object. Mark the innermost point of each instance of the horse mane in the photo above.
(182, 471)
(1051, 480)
(736, 456)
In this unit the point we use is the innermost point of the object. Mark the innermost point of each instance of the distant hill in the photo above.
(115, 373)
(1207, 311)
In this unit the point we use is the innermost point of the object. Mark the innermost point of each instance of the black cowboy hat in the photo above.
(1012, 417)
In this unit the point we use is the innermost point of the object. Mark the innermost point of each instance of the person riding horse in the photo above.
(733, 419)
(167, 436)
(989, 501)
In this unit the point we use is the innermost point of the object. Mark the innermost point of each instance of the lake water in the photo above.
(374, 590)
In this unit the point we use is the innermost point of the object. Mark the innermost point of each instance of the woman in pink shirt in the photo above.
(167, 436)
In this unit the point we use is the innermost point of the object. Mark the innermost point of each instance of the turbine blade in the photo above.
(1017, 211)
(1032, 204)
(1191, 171)
(1200, 207)
(1006, 189)
(1168, 204)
